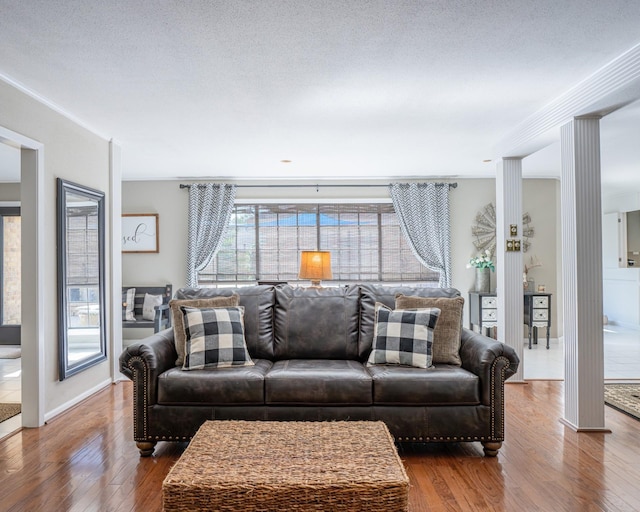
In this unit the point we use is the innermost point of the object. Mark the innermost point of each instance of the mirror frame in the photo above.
(65, 369)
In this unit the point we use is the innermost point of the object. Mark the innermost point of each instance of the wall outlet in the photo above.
(513, 245)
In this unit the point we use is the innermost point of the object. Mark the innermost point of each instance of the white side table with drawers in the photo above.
(537, 313)
(483, 313)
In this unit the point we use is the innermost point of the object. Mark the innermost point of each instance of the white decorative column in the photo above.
(509, 264)
(582, 275)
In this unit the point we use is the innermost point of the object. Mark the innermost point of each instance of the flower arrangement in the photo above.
(482, 260)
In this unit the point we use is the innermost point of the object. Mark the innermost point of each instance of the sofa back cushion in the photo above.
(316, 323)
(370, 294)
(258, 314)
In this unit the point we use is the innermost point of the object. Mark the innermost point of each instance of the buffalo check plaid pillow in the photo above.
(403, 336)
(215, 338)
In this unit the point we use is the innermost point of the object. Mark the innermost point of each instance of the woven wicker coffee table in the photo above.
(267, 465)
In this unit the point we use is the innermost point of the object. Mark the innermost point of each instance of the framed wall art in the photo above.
(140, 232)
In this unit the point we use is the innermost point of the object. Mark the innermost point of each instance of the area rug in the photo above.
(9, 411)
(624, 397)
(10, 352)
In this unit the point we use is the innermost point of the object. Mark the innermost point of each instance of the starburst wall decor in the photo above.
(484, 230)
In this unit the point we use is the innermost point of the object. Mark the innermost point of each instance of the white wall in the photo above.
(541, 198)
(75, 154)
(621, 296)
(621, 286)
(170, 202)
(621, 202)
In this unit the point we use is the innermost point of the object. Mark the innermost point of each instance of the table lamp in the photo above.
(315, 265)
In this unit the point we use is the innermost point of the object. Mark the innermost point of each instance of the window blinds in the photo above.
(264, 242)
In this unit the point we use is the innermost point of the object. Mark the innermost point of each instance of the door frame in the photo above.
(33, 271)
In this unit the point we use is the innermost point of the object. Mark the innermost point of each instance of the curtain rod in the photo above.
(341, 185)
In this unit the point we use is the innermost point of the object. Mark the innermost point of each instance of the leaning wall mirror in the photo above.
(81, 285)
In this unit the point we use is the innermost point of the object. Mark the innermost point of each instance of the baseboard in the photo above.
(575, 428)
(119, 378)
(625, 325)
(71, 403)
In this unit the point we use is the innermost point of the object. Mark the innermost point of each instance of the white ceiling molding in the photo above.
(611, 87)
(53, 106)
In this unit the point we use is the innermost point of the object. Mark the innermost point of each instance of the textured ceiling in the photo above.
(343, 88)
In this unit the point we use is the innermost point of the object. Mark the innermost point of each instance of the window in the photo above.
(82, 267)
(264, 241)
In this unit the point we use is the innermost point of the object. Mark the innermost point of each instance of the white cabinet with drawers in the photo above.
(537, 314)
(483, 313)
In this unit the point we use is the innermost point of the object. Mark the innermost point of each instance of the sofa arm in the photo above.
(491, 360)
(145, 360)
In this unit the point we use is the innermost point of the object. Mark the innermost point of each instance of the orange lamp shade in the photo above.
(315, 265)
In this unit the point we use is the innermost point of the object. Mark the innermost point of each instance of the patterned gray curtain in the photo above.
(210, 208)
(423, 211)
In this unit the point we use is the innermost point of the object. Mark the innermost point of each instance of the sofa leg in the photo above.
(491, 448)
(146, 447)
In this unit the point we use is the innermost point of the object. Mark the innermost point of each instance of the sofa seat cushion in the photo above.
(214, 386)
(318, 381)
(442, 384)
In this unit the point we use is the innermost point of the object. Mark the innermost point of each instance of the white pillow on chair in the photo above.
(149, 304)
(129, 299)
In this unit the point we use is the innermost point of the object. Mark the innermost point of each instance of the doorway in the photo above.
(10, 292)
(10, 275)
(32, 332)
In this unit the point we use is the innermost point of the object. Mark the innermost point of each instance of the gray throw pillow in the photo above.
(215, 338)
(403, 336)
(179, 334)
(446, 336)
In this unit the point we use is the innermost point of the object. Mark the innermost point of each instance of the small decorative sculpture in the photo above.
(533, 263)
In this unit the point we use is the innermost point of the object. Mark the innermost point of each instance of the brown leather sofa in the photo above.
(310, 346)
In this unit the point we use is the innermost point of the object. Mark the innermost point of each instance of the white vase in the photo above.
(483, 280)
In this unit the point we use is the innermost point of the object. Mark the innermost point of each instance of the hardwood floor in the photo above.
(85, 460)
